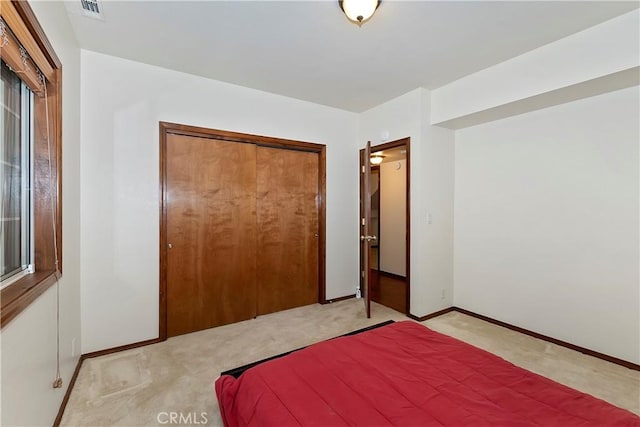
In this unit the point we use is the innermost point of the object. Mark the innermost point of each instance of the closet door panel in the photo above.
(211, 232)
(287, 230)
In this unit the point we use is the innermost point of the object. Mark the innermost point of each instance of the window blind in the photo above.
(20, 52)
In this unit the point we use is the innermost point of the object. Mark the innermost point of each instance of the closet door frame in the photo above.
(167, 128)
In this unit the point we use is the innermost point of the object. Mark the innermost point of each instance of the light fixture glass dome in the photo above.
(359, 10)
(376, 159)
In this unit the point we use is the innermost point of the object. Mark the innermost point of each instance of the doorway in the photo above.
(389, 253)
(242, 227)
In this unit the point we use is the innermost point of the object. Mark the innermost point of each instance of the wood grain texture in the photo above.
(28, 40)
(24, 67)
(365, 229)
(17, 296)
(224, 135)
(288, 229)
(389, 290)
(406, 144)
(164, 131)
(47, 194)
(211, 225)
(47, 184)
(168, 130)
(322, 221)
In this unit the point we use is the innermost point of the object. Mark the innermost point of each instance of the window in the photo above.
(30, 160)
(15, 170)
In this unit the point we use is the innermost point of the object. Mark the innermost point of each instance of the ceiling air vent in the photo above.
(92, 9)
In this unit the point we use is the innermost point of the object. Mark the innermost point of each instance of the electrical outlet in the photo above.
(442, 295)
(73, 347)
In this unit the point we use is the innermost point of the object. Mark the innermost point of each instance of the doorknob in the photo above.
(170, 246)
(368, 238)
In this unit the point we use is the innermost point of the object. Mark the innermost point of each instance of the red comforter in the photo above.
(404, 374)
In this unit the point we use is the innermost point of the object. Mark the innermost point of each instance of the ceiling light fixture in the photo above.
(359, 11)
(376, 158)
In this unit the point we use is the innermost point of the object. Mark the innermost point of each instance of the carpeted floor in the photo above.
(142, 387)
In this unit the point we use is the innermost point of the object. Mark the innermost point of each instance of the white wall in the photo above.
(437, 163)
(546, 222)
(393, 217)
(431, 192)
(122, 103)
(595, 54)
(29, 341)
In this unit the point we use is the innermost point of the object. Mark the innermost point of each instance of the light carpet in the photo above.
(144, 386)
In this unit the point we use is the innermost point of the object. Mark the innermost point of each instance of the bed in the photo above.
(403, 374)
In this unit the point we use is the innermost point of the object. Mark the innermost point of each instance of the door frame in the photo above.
(387, 146)
(167, 128)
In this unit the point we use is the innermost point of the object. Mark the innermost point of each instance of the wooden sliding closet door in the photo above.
(211, 233)
(287, 231)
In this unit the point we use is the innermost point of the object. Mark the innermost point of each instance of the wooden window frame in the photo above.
(17, 296)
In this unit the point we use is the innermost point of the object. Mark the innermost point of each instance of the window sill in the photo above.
(19, 295)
